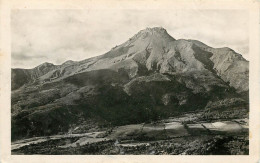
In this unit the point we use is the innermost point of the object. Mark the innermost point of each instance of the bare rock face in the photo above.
(230, 66)
(151, 75)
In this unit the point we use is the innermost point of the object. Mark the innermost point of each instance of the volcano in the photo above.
(149, 77)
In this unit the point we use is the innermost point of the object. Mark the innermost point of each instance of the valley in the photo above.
(168, 136)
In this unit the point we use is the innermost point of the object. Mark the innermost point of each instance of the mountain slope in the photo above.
(151, 75)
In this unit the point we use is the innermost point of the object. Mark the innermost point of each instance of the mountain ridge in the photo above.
(151, 75)
(136, 50)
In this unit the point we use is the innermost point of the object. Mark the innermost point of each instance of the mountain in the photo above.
(150, 76)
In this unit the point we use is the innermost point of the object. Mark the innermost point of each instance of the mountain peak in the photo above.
(157, 32)
(69, 62)
(45, 64)
(148, 30)
(154, 29)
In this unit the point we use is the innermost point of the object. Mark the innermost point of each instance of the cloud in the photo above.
(27, 57)
(58, 35)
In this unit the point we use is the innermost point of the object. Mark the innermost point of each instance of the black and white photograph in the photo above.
(83, 83)
(130, 81)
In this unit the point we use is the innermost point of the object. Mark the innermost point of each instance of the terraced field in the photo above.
(130, 139)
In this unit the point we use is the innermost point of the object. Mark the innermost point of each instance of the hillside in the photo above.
(150, 76)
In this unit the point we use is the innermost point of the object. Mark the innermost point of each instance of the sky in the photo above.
(56, 36)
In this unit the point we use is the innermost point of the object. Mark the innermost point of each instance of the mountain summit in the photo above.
(158, 32)
(148, 76)
(153, 49)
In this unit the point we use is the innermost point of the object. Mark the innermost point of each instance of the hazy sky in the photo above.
(58, 35)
